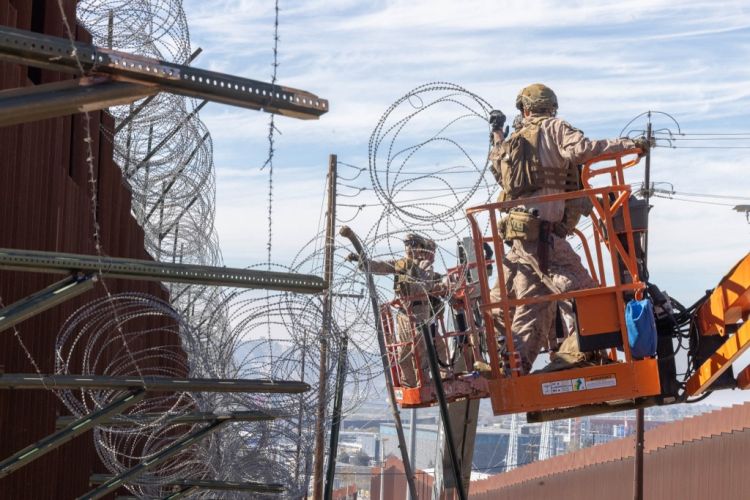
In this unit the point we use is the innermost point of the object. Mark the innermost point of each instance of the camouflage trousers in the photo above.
(533, 325)
(408, 362)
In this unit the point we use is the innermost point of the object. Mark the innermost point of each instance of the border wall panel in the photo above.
(46, 201)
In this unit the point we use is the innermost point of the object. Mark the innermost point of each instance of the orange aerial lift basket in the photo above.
(458, 345)
(600, 311)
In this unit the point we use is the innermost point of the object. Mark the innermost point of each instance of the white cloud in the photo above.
(607, 60)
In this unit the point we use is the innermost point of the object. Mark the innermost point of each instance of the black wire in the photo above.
(695, 201)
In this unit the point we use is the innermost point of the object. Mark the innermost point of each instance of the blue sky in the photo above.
(608, 61)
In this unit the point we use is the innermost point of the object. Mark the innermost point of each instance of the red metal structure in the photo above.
(46, 205)
(461, 381)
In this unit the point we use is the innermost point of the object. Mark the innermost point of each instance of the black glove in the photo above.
(497, 120)
(352, 257)
(645, 146)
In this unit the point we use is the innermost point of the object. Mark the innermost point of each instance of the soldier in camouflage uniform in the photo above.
(410, 280)
(437, 307)
(554, 148)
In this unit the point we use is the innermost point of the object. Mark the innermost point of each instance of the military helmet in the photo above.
(429, 244)
(413, 240)
(536, 98)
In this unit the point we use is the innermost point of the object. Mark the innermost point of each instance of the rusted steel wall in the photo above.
(45, 201)
(345, 493)
(695, 458)
(712, 467)
(698, 454)
(394, 481)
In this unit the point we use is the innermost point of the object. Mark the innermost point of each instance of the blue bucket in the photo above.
(639, 318)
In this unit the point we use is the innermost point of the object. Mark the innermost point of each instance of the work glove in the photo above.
(497, 122)
(645, 146)
(352, 257)
(497, 119)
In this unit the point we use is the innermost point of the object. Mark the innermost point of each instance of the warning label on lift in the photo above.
(579, 384)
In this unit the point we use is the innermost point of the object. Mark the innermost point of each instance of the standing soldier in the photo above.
(541, 159)
(437, 307)
(411, 284)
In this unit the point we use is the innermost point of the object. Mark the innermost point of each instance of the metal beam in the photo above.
(444, 415)
(719, 362)
(45, 299)
(207, 484)
(65, 263)
(130, 475)
(51, 100)
(149, 383)
(166, 139)
(60, 54)
(537, 417)
(182, 493)
(729, 303)
(135, 112)
(189, 418)
(77, 427)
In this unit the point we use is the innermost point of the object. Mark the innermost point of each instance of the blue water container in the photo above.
(639, 318)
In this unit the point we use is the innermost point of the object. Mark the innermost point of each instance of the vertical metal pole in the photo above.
(336, 420)
(646, 196)
(111, 29)
(412, 445)
(346, 232)
(435, 370)
(638, 479)
(639, 413)
(320, 432)
(382, 468)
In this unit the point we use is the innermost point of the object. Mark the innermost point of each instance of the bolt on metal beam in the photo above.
(64, 263)
(75, 428)
(150, 383)
(189, 418)
(47, 298)
(60, 54)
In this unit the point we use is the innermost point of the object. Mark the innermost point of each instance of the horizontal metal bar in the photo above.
(75, 428)
(535, 417)
(130, 475)
(60, 54)
(59, 382)
(113, 267)
(182, 493)
(189, 418)
(51, 100)
(47, 298)
(208, 484)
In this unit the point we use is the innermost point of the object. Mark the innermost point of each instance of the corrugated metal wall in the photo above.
(710, 468)
(45, 202)
(696, 458)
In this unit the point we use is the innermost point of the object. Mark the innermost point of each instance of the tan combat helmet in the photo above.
(537, 98)
(413, 241)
